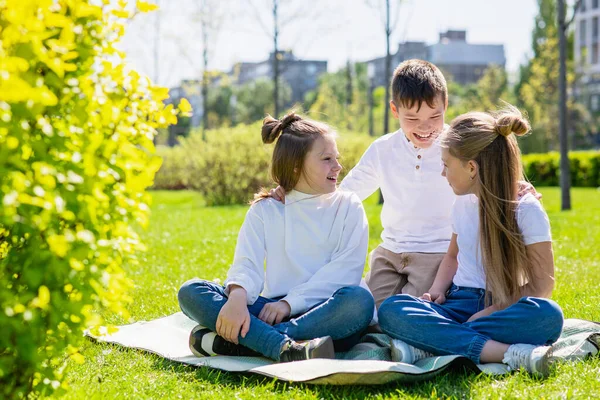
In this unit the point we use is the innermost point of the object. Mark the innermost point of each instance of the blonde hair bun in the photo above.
(512, 122)
(272, 127)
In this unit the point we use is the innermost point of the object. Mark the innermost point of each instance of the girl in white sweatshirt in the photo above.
(297, 266)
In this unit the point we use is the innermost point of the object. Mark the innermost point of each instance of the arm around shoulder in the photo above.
(364, 178)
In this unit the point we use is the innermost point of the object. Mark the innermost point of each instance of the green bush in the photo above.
(233, 163)
(544, 169)
(76, 156)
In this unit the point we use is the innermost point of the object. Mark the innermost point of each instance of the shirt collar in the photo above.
(295, 196)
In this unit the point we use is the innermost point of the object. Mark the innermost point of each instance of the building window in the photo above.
(595, 29)
(582, 6)
(594, 4)
(595, 53)
(582, 33)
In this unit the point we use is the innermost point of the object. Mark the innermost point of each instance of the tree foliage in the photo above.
(486, 95)
(537, 89)
(76, 155)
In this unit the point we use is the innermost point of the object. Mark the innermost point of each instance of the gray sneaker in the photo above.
(404, 352)
(315, 348)
(534, 359)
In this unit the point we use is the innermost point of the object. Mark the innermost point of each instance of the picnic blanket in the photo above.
(368, 363)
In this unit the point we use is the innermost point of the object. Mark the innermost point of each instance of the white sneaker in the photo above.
(404, 352)
(532, 358)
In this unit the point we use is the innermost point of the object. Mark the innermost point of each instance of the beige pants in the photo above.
(407, 273)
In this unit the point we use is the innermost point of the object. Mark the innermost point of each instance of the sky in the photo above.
(331, 30)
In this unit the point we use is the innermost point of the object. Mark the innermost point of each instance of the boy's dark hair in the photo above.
(417, 81)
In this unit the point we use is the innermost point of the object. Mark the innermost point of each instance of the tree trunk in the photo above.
(275, 61)
(565, 173)
(156, 52)
(204, 79)
(349, 89)
(388, 67)
(371, 125)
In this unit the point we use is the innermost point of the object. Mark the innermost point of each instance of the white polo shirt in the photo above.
(532, 221)
(417, 198)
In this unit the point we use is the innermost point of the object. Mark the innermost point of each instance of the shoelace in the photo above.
(296, 352)
(517, 356)
(420, 354)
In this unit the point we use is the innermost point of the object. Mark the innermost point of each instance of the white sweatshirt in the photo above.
(417, 198)
(313, 245)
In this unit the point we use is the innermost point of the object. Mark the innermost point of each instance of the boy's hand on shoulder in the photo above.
(526, 187)
(274, 313)
(234, 318)
(278, 194)
(434, 296)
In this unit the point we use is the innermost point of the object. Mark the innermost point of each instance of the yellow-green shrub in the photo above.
(233, 163)
(76, 155)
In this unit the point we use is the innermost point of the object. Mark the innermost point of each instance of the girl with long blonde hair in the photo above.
(489, 301)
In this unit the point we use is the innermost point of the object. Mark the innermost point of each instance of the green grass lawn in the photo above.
(186, 240)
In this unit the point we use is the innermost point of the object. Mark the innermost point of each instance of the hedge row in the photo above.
(233, 163)
(544, 169)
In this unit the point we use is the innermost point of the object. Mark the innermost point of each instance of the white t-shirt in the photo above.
(532, 221)
(418, 200)
(312, 245)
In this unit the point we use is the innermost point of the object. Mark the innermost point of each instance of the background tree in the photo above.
(389, 15)
(341, 98)
(537, 90)
(283, 15)
(209, 16)
(565, 173)
(254, 99)
(485, 95)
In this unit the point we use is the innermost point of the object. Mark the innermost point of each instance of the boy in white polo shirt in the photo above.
(418, 200)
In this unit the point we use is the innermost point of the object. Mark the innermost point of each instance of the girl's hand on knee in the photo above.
(274, 313)
(434, 297)
(233, 320)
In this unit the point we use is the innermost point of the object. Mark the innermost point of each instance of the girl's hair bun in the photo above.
(272, 127)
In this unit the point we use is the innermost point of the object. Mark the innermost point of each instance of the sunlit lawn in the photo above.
(186, 239)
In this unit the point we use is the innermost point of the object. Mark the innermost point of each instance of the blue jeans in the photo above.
(345, 315)
(442, 329)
